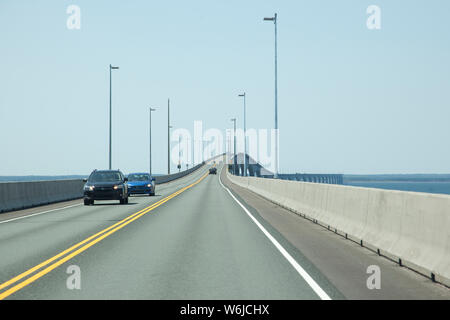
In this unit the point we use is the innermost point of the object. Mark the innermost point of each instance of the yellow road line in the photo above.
(102, 235)
(26, 273)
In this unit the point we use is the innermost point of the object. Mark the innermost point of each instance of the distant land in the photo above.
(429, 183)
(42, 178)
(37, 178)
(347, 178)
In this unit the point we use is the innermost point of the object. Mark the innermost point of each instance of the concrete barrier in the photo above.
(20, 195)
(178, 175)
(409, 227)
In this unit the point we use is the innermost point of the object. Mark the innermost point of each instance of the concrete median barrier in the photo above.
(21, 195)
(178, 175)
(174, 176)
(409, 227)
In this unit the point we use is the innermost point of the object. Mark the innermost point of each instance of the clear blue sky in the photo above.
(351, 100)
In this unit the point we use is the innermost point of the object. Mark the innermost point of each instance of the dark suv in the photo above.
(105, 185)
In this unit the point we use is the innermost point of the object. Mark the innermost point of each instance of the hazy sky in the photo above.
(351, 100)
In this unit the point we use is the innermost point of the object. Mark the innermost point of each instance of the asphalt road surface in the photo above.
(195, 239)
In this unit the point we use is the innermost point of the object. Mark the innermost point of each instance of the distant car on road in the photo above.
(213, 170)
(105, 185)
(141, 183)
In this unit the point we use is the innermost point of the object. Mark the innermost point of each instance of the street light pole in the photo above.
(187, 154)
(179, 153)
(274, 19)
(110, 112)
(168, 136)
(150, 139)
(234, 146)
(245, 136)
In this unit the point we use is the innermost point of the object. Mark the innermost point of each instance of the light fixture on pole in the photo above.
(168, 136)
(110, 113)
(274, 19)
(179, 153)
(234, 146)
(150, 139)
(245, 136)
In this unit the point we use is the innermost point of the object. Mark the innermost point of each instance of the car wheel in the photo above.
(86, 202)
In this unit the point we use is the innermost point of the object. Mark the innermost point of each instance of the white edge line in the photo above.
(313, 284)
(38, 213)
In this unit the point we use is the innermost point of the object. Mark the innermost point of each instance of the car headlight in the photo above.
(89, 188)
(149, 185)
(118, 187)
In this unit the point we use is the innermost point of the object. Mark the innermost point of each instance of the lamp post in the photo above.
(150, 138)
(274, 19)
(187, 154)
(234, 146)
(179, 153)
(245, 136)
(168, 136)
(110, 112)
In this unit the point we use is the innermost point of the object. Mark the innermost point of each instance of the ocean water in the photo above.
(414, 186)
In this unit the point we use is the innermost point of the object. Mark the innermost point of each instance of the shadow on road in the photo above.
(115, 204)
(143, 196)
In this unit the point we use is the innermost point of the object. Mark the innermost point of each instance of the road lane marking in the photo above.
(309, 280)
(46, 262)
(38, 213)
(87, 244)
(28, 272)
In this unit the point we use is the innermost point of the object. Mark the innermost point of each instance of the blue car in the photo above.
(141, 183)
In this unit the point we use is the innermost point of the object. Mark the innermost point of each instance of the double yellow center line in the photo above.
(81, 246)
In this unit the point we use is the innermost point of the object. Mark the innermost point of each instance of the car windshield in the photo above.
(105, 177)
(138, 177)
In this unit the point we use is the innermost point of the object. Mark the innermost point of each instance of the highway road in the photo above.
(198, 238)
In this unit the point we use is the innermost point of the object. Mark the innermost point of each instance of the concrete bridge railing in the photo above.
(408, 227)
(21, 195)
(316, 178)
